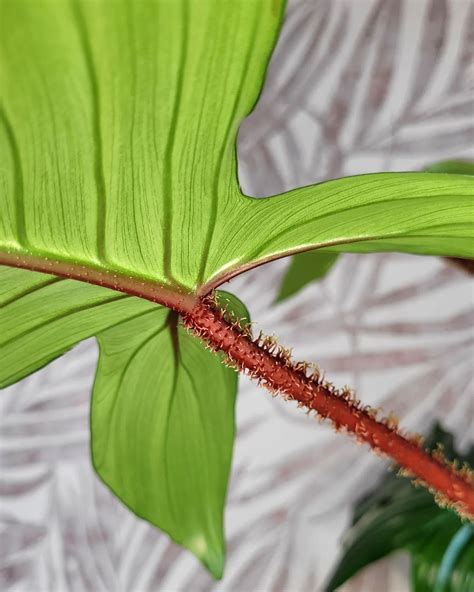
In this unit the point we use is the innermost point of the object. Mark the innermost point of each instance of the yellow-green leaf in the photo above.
(163, 429)
(119, 125)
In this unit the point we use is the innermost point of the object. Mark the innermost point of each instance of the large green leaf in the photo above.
(119, 122)
(397, 516)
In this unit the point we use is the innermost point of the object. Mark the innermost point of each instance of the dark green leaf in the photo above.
(457, 167)
(397, 516)
(305, 268)
(444, 562)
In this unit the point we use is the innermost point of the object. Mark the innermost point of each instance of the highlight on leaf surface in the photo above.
(397, 516)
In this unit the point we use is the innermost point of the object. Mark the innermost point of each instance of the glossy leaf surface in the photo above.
(396, 516)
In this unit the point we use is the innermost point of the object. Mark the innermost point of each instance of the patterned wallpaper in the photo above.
(354, 86)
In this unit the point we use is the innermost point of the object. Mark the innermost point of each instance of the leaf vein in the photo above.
(96, 129)
(168, 158)
(31, 290)
(64, 315)
(18, 179)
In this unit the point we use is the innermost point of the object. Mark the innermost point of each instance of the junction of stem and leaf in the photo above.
(271, 365)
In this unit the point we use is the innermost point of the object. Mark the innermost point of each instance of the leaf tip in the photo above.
(212, 556)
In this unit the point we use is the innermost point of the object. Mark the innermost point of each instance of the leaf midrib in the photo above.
(175, 297)
(96, 129)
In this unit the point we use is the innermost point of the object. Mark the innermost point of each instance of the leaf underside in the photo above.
(118, 125)
(119, 130)
(306, 268)
(162, 428)
(167, 456)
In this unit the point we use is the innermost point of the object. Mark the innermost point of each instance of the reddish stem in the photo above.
(276, 371)
(280, 375)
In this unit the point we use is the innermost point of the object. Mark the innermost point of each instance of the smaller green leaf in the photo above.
(234, 306)
(457, 167)
(304, 269)
(397, 516)
(163, 428)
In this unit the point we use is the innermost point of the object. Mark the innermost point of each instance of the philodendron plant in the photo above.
(121, 214)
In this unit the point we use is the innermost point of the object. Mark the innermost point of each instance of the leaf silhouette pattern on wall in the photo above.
(352, 88)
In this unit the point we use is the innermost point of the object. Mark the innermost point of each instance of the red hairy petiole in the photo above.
(274, 369)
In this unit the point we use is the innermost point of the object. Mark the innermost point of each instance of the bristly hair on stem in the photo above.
(271, 366)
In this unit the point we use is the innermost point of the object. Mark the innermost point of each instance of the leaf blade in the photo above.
(43, 316)
(313, 265)
(420, 213)
(187, 224)
(141, 100)
(174, 471)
